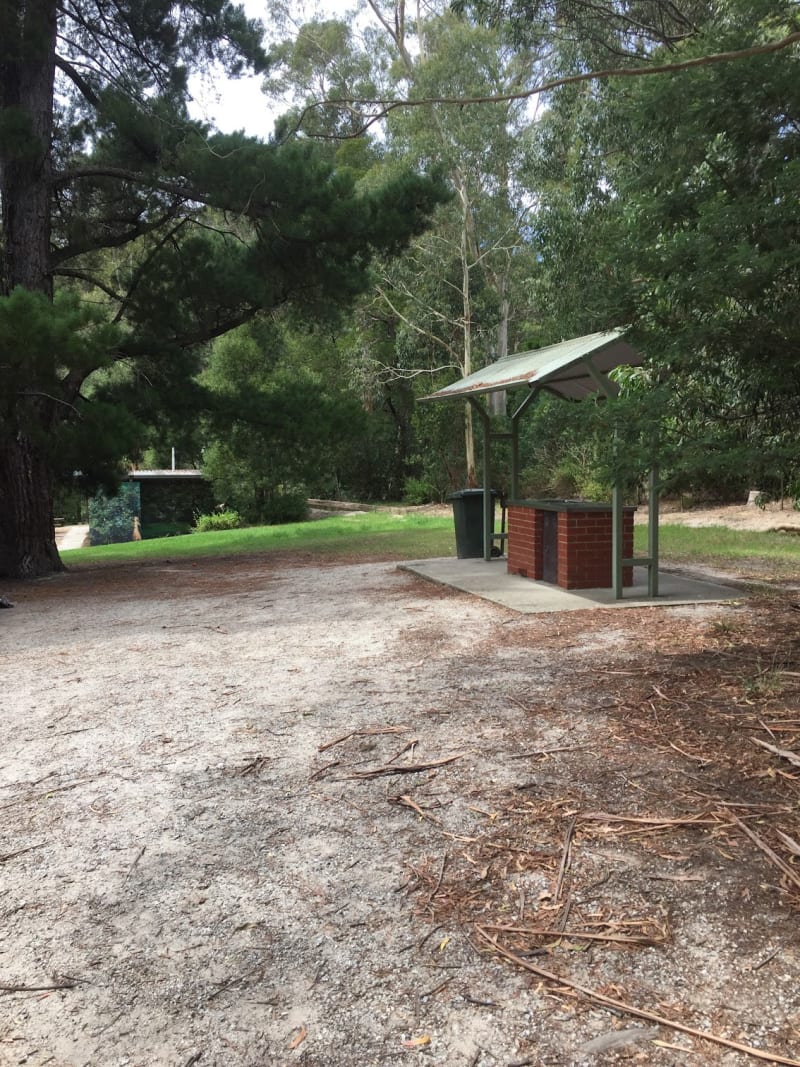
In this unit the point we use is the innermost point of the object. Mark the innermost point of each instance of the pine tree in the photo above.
(131, 235)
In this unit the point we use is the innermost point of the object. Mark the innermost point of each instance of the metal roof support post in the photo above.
(617, 550)
(652, 531)
(488, 510)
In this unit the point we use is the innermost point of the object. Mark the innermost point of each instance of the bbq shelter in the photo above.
(576, 544)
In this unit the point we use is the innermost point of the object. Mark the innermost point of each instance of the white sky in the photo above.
(238, 104)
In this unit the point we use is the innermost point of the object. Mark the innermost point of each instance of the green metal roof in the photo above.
(572, 369)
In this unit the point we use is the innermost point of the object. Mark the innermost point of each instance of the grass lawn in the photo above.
(412, 536)
(776, 553)
(370, 535)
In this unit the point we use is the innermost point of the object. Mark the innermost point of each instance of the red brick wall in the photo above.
(524, 545)
(584, 546)
(584, 549)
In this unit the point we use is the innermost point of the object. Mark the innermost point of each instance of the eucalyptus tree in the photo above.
(131, 235)
(479, 240)
(672, 204)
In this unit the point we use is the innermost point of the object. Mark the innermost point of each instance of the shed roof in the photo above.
(572, 369)
(165, 475)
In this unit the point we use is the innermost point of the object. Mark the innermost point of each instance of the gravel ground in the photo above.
(215, 848)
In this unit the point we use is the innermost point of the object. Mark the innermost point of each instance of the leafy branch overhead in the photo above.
(372, 111)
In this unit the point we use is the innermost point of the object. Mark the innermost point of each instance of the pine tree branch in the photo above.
(180, 190)
(62, 255)
(78, 80)
(83, 276)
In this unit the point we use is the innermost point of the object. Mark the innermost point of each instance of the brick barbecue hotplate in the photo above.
(566, 542)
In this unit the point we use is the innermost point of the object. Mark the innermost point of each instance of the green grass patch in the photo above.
(368, 536)
(718, 544)
(380, 535)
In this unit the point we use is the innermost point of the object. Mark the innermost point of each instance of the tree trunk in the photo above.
(27, 72)
(27, 69)
(466, 318)
(469, 445)
(27, 535)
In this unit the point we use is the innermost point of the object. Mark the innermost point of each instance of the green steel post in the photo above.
(652, 532)
(487, 473)
(514, 460)
(617, 550)
(487, 488)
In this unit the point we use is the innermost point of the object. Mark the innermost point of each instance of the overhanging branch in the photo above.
(385, 107)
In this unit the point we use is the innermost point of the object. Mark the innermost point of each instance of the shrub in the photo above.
(285, 505)
(417, 491)
(218, 520)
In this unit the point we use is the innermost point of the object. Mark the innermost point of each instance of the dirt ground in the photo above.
(777, 515)
(263, 811)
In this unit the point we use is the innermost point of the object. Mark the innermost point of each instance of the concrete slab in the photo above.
(491, 581)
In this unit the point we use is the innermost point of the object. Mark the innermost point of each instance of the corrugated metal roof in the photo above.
(146, 476)
(563, 368)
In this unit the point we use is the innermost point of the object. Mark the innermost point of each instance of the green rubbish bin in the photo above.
(468, 518)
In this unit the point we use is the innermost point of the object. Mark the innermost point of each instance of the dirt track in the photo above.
(213, 844)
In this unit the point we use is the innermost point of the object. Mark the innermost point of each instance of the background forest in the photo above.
(668, 203)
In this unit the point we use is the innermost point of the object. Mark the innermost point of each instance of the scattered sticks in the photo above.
(787, 871)
(629, 1009)
(784, 753)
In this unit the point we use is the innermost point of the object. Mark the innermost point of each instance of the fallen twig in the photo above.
(771, 855)
(19, 852)
(630, 1009)
(139, 855)
(233, 981)
(703, 818)
(14, 987)
(367, 731)
(790, 842)
(321, 771)
(405, 801)
(404, 768)
(565, 857)
(576, 935)
(547, 751)
(435, 889)
(50, 792)
(253, 766)
(784, 753)
(689, 755)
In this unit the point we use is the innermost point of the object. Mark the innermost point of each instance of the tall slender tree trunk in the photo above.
(466, 321)
(27, 68)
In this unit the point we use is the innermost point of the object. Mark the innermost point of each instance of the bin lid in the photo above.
(460, 494)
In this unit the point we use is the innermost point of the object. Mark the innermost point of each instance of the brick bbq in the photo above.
(566, 542)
